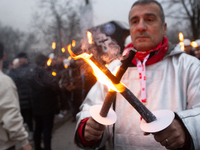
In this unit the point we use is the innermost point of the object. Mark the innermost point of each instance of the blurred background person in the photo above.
(76, 81)
(12, 130)
(188, 47)
(44, 101)
(21, 72)
(71, 82)
(6, 67)
(62, 97)
(197, 49)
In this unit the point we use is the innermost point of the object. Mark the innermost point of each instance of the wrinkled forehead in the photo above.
(140, 10)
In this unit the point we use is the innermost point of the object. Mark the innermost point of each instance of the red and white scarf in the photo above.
(143, 58)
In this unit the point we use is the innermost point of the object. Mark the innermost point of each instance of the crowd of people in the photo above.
(42, 95)
(33, 93)
(190, 49)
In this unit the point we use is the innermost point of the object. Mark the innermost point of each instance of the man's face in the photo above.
(23, 61)
(188, 49)
(146, 27)
(197, 52)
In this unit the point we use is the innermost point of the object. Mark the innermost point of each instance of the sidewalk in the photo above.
(63, 134)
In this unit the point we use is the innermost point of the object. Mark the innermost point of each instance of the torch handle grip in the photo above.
(107, 103)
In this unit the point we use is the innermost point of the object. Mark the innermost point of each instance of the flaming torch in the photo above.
(49, 62)
(194, 44)
(51, 56)
(73, 43)
(104, 115)
(53, 45)
(89, 35)
(54, 73)
(151, 122)
(63, 49)
(181, 38)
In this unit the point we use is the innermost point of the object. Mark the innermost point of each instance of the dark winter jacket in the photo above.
(45, 90)
(21, 77)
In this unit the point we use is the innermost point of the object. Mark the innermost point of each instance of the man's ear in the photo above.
(4, 57)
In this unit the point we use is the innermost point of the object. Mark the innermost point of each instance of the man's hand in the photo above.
(27, 147)
(172, 137)
(93, 130)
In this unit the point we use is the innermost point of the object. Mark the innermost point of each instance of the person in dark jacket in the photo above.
(44, 90)
(21, 73)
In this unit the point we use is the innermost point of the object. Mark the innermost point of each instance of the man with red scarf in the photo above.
(169, 79)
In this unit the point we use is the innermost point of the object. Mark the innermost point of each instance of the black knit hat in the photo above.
(22, 55)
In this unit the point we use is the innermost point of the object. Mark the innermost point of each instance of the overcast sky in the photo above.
(18, 13)
(107, 10)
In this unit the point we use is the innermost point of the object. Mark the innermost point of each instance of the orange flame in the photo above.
(49, 62)
(182, 46)
(194, 44)
(54, 73)
(66, 66)
(70, 50)
(181, 37)
(63, 49)
(73, 43)
(101, 77)
(54, 45)
(89, 36)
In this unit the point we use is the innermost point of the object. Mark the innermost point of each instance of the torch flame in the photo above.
(53, 73)
(181, 38)
(194, 44)
(63, 49)
(182, 46)
(66, 66)
(89, 36)
(73, 43)
(101, 77)
(54, 45)
(49, 62)
(70, 50)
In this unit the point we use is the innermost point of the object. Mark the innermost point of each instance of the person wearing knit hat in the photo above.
(188, 47)
(21, 72)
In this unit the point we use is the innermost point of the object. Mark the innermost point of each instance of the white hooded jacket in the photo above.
(172, 83)
(12, 130)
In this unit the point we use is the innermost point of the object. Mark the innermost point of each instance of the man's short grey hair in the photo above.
(144, 2)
